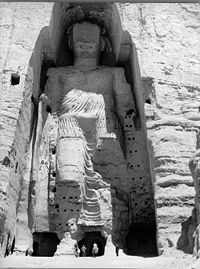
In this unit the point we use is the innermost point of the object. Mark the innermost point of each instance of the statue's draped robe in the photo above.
(87, 125)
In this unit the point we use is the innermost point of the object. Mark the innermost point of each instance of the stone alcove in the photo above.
(135, 206)
(45, 244)
(141, 240)
(89, 239)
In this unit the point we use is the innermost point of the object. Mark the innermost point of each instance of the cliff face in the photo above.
(21, 24)
(167, 38)
(167, 42)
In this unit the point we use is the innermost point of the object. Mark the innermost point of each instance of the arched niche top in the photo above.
(123, 51)
(64, 15)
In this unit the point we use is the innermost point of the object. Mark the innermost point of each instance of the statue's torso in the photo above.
(87, 95)
(97, 81)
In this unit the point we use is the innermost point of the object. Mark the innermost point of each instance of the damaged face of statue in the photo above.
(85, 41)
(85, 50)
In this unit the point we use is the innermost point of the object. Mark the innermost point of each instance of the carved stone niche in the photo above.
(89, 171)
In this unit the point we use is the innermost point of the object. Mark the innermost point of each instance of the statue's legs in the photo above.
(70, 159)
(74, 150)
(110, 163)
(76, 182)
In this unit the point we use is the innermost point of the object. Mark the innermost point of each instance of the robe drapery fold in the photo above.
(90, 109)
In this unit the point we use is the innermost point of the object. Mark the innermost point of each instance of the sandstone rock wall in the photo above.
(167, 41)
(21, 24)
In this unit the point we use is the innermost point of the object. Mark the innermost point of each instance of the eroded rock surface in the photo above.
(166, 37)
(20, 27)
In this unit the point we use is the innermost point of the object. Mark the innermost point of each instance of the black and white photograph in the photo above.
(100, 134)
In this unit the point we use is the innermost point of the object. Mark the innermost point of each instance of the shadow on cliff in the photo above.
(186, 241)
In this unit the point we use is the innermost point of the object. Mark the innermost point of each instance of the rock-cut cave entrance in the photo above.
(141, 240)
(89, 239)
(45, 244)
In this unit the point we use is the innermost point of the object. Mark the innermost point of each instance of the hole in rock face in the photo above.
(45, 244)
(6, 161)
(141, 240)
(54, 150)
(15, 78)
(148, 101)
(54, 189)
(88, 241)
(48, 109)
(129, 112)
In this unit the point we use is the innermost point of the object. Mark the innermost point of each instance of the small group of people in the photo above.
(82, 251)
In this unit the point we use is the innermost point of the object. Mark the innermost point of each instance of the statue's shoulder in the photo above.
(113, 70)
(118, 70)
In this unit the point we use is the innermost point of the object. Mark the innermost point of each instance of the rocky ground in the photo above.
(110, 261)
(171, 259)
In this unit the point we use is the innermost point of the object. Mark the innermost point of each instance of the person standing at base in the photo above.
(76, 250)
(95, 250)
(117, 250)
(83, 249)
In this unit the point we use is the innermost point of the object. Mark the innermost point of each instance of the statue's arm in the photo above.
(50, 95)
(124, 101)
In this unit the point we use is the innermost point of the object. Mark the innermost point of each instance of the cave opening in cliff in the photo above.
(141, 240)
(89, 239)
(15, 79)
(45, 244)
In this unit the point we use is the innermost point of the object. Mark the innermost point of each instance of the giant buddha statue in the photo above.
(84, 132)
